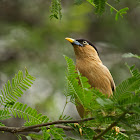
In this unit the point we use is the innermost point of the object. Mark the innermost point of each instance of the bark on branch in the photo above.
(36, 128)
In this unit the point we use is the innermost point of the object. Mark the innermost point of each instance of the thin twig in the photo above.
(112, 7)
(91, 3)
(64, 109)
(106, 4)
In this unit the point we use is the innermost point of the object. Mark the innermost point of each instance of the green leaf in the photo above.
(19, 137)
(99, 6)
(28, 138)
(46, 135)
(88, 133)
(56, 9)
(121, 13)
(5, 114)
(117, 16)
(57, 133)
(91, 2)
(1, 124)
(127, 86)
(11, 92)
(124, 9)
(111, 10)
(36, 136)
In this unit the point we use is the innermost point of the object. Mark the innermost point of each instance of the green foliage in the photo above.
(11, 92)
(10, 107)
(4, 114)
(57, 133)
(27, 113)
(121, 13)
(112, 135)
(19, 137)
(38, 137)
(125, 99)
(99, 6)
(56, 9)
(73, 90)
(106, 111)
(65, 117)
(1, 124)
(90, 98)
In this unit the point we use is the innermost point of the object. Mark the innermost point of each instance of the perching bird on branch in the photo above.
(89, 65)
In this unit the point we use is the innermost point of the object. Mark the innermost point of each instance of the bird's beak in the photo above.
(73, 41)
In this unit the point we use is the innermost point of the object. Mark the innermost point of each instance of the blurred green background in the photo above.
(28, 38)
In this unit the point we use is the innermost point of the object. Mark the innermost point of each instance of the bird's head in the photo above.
(83, 48)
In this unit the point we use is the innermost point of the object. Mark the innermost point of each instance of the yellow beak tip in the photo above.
(71, 40)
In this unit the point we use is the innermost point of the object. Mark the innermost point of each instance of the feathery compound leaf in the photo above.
(57, 133)
(56, 9)
(19, 137)
(99, 6)
(27, 113)
(71, 66)
(5, 114)
(89, 94)
(134, 72)
(88, 133)
(134, 119)
(46, 135)
(1, 124)
(66, 117)
(112, 134)
(73, 88)
(11, 92)
(91, 2)
(127, 86)
(111, 10)
(121, 13)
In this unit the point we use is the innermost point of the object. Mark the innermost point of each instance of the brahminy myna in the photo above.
(90, 65)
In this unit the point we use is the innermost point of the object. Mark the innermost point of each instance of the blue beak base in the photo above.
(77, 43)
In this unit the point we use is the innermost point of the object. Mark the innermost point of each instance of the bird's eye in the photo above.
(84, 42)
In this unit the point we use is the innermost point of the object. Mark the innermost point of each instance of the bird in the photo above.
(90, 65)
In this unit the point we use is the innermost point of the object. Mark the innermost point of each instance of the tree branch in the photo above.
(34, 127)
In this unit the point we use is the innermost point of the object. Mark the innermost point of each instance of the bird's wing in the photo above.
(112, 84)
(113, 87)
